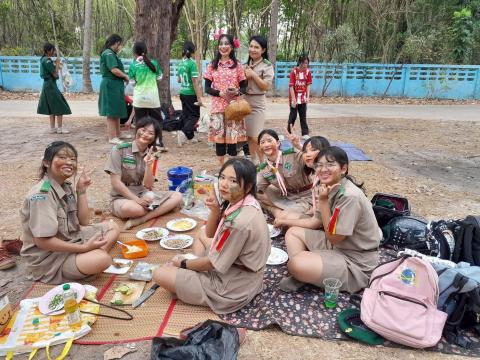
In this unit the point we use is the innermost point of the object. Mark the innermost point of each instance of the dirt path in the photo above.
(434, 164)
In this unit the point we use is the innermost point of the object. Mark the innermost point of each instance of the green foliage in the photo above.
(462, 31)
(341, 45)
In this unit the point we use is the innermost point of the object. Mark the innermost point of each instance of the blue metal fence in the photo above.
(394, 80)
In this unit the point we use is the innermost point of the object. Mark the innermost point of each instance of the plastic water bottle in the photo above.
(71, 307)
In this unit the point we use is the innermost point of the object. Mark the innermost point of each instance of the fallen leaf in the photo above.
(117, 352)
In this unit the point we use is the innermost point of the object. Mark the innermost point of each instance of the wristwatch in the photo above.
(183, 264)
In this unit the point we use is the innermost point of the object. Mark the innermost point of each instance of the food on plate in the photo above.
(133, 249)
(56, 300)
(152, 234)
(124, 289)
(182, 225)
(175, 243)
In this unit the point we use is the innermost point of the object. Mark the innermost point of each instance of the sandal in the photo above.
(6, 260)
(13, 246)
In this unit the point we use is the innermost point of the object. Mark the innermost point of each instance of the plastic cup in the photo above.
(332, 287)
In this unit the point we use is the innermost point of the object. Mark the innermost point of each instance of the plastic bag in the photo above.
(212, 340)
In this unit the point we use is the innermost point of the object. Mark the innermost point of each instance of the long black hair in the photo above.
(270, 132)
(140, 49)
(335, 153)
(317, 143)
(188, 49)
(246, 175)
(302, 58)
(262, 41)
(146, 121)
(111, 40)
(47, 47)
(50, 151)
(232, 55)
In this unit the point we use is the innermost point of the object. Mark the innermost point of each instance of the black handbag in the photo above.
(388, 206)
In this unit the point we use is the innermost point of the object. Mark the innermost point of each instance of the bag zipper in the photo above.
(404, 298)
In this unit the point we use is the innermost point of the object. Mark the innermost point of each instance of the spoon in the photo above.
(122, 244)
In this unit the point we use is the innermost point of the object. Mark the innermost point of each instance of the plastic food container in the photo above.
(137, 254)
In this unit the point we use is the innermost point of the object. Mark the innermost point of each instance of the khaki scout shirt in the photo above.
(126, 160)
(266, 72)
(292, 169)
(355, 220)
(48, 210)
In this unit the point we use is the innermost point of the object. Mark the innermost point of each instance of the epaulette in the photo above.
(288, 151)
(261, 166)
(266, 61)
(341, 191)
(124, 145)
(46, 186)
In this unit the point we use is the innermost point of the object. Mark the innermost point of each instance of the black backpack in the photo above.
(467, 241)
(403, 232)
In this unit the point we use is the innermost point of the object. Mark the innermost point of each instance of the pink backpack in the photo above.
(401, 303)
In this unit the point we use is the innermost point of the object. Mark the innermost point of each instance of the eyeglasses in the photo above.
(328, 165)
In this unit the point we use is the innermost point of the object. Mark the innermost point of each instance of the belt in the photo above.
(296, 191)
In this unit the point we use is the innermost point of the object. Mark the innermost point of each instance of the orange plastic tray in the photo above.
(137, 254)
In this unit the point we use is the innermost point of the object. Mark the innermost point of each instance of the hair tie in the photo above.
(236, 43)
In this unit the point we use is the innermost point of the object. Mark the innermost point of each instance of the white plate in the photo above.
(122, 270)
(187, 238)
(277, 256)
(45, 300)
(163, 232)
(171, 224)
(274, 231)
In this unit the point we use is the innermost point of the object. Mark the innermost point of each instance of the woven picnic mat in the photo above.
(303, 313)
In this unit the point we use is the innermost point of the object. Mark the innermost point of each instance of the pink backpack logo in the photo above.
(401, 303)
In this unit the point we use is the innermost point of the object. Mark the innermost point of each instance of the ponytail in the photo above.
(149, 63)
(140, 49)
(188, 49)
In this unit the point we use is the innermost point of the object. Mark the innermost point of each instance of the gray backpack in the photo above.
(459, 297)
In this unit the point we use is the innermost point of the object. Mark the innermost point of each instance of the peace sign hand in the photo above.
(324, 190)
(149, 157)
(292, 137)
(211, 201)
(85, 180)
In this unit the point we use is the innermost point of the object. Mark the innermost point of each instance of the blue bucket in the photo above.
(177, 175)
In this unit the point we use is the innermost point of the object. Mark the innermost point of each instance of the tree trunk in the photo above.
(87, 47)
(273, 34)
(156, 24)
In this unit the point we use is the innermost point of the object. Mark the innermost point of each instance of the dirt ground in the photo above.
(435, 164)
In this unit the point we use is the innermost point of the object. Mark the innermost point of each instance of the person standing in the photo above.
(225, 80)
(52, 102)
(299, 94)
(190, 93)
(259, 72)
(145, 72)
(111, 101)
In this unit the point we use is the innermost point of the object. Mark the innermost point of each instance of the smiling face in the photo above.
(224, 47)
(329, 171)
(255, 50)
(309, 155)
(230, 189)
(303, 65)
(63, 165)
(145, 136)
(269, 145)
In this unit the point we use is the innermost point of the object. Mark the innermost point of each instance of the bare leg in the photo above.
(52, 121)
(306, 266)
(294, 239)
(59, 120)
(174, 201)
(221, 160)
(117, 127)
(202, 243)
(254, 149)
(165, 277)
(111, 127)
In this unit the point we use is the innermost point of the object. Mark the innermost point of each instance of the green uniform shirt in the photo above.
(187, 70)
(108, 61)
(145, 93)
(47, 67)
(51, 100)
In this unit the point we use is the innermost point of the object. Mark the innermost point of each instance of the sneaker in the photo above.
(53, 130)
(305, 137)
(13, 246)
(6, 260)
(115, 141)
(181, 138)
(62, 131)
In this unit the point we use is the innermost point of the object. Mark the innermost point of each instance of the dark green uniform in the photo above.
(111, 101)
(51, 101)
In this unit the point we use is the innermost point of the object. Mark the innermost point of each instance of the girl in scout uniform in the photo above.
(58, 244)
(259, 72)
(232, 250)
(111, 100)
(282, 180)
(130, 166)
(51, 101)
(345, 243)
(225, 80)
(310, 150)
(190, 93)
(145, 73)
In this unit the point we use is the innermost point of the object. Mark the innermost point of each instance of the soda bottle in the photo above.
(71, 307)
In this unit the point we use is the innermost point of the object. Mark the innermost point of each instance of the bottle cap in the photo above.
(66, 287)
